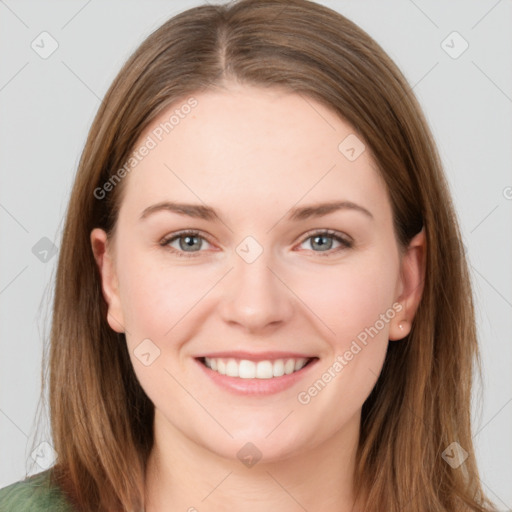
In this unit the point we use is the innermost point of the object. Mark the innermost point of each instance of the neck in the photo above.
(192, 478)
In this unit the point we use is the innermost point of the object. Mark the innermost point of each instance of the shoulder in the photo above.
(34, 494)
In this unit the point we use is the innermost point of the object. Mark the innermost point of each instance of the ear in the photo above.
(109, 282)
(410, 286)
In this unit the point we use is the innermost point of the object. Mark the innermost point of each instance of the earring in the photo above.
(400, 326)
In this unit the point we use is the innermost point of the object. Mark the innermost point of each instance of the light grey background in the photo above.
(47, 106)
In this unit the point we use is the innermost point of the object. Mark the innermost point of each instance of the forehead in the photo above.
(254, 147)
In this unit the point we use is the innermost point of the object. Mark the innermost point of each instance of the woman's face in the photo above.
(270, 279)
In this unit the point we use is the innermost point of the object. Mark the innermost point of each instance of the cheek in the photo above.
(350, 297)
(356, 302)
(345, 299)
(158, 302)
(157, 296)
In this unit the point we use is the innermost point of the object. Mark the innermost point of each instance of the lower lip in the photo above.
(241, 386)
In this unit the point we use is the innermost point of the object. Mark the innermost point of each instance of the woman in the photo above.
(211, 348)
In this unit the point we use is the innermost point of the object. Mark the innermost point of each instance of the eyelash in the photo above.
(346, 244)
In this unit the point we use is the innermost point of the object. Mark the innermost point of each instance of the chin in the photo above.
(255, 445)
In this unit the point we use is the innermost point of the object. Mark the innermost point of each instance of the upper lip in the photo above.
(253, 356)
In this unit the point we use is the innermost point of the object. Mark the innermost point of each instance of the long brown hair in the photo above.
(101, 418)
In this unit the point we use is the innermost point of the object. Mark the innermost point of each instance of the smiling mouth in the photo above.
(265, 369)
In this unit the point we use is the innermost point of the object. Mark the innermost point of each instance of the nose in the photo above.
(255, 296)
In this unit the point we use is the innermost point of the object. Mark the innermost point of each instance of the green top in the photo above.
(34, 494)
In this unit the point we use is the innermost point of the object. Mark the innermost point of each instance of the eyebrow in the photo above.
(296, 214)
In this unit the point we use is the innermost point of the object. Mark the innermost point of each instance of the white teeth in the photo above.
(289, 366)
(246, 369)
(232, 368)
(278, 368)
(264, 370)
(221, 367)
(299, 363)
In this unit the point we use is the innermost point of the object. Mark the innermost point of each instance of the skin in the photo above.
(253, 154)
